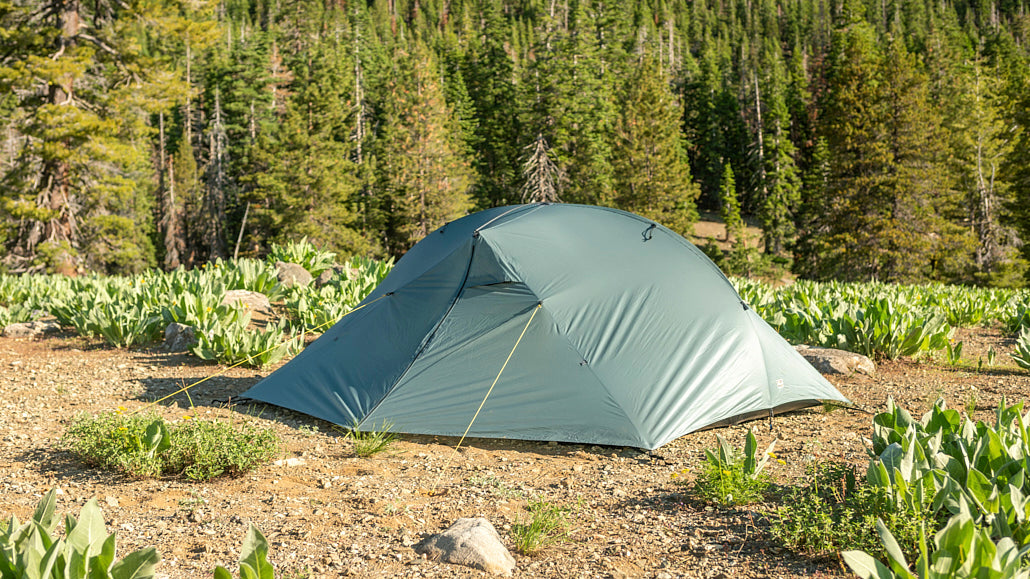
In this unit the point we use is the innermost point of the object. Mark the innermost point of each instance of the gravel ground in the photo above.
(330, 514)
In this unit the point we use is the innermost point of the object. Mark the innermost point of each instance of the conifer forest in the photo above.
(866, 139)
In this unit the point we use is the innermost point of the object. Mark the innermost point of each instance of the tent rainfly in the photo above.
(627, 335)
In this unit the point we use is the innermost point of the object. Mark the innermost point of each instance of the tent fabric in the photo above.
(638, 339)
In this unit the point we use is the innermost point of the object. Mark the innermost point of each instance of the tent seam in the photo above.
(429, 337)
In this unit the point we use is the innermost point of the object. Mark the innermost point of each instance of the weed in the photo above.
(371, 442)
(495, 485)
(145, 446)
(954, 352)
(971, 405)
(547, 524)
(193, 503)
(837, 511)
(730, 477)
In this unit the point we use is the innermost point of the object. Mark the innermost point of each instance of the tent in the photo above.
(627, 335)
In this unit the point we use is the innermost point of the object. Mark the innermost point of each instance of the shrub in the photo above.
(145, 446)
(837, 511)
(730, 477)
(32, 550)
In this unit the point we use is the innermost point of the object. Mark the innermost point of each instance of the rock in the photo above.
(31, 329)
(291, 274)
(179, 337)
(290, 462)
(252, 300)
(336, 271)
(830, 361)
(472, 543)
(325, 277)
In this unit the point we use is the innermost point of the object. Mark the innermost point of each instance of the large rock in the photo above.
(472, 543)
(31, 329)
(252, 300)
(291, 274)
(179, 337)
(830, 361)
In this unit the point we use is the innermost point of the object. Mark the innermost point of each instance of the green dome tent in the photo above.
(627, 335)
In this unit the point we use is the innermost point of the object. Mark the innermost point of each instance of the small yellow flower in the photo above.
(123, 429)
(674, 475)
(120, 409)
(781, 461)
(772, 455)
(187, 417)
(685, 471)
(726, 473)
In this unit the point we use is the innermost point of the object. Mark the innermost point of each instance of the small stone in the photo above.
(290, 462)
(111, 502)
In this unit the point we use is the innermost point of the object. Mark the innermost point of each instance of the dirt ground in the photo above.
(336, 515)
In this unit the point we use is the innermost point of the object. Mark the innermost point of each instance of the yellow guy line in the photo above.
(476, 415)
(227, 368)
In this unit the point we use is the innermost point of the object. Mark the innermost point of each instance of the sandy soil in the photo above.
(337, 515)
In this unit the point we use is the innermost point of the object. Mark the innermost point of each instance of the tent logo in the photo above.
(779, 383)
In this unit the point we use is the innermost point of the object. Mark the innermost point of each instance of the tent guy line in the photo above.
(241, 362)
(481, 404)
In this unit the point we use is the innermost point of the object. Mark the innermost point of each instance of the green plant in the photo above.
(233, 343)
(303, 253)
(204, 449)
(32, 551)
(1022, 352)
(961, 551)
(146, 446)
(730, 477)
(836, 510)
(547, 524)
(371, 442)
(253, 558)
(954, 353)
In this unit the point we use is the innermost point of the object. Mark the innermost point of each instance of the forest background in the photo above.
(868, 139)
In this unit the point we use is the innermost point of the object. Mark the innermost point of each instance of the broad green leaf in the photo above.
(866, 566)
(894, 555)
(255, 554)
(222, 573)
(89, 533)
(136, 565)
(44, 513)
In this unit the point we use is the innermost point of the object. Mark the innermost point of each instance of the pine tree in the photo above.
(652, 177)
(77, 188)
(306, 182)
(779, 187)
(572, 105)
(490, 77)
(730, 206)
(422, 171)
